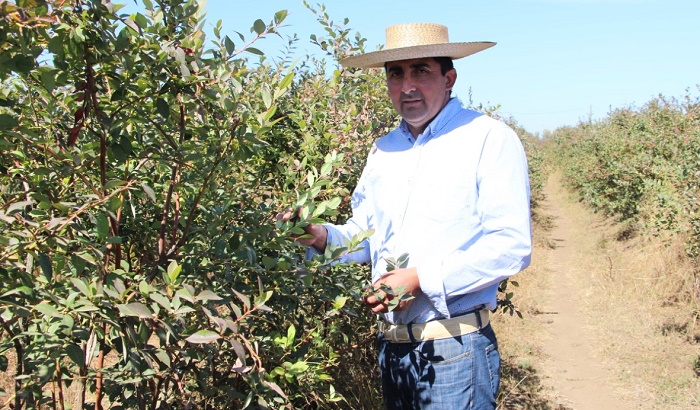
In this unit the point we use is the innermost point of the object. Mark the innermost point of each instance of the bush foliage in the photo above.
(641, 165)
(142, 167)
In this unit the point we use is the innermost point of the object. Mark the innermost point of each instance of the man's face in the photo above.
(418, 90)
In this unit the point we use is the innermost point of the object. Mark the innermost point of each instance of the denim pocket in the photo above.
(444, 351)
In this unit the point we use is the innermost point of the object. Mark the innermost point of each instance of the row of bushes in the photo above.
(641, 165)
(140, 172)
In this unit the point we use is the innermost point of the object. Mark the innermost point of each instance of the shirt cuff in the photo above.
(332, 237)
(431, 284)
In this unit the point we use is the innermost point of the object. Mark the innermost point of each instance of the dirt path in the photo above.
(571, 369)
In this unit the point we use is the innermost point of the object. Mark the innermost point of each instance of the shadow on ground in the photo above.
(521, 388)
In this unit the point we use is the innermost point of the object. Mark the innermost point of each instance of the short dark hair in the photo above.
(445, 64)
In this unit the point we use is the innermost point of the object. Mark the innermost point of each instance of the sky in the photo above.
(556, 62)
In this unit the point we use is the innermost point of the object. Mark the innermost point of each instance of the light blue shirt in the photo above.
(456, 199)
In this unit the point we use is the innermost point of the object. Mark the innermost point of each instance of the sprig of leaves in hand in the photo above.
(383, 291)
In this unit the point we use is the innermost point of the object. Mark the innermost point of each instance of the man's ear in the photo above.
(451, 76)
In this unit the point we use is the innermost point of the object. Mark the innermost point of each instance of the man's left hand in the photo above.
(408, 278)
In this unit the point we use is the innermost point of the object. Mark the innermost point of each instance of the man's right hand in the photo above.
(314, 235)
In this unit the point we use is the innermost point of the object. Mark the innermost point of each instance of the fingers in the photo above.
(373, 299)
(375, 305)
(382, 298)
(378, 301)
(383, 307)
(285, 216)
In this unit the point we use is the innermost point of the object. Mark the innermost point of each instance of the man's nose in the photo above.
(408, 85)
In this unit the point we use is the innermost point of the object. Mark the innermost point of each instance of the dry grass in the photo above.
(641, 299)
(7, 381)
(645, 294)
(520, 340)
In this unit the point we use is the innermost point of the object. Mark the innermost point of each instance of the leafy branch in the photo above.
(383, 292)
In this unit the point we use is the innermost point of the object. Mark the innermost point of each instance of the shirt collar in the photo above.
(447, 112)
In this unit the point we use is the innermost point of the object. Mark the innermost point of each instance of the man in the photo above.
(449, 187)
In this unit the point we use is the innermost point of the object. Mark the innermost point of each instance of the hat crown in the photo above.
(415, 34)
(415, 40)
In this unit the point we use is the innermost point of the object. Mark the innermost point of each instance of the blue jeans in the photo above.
(447, 374)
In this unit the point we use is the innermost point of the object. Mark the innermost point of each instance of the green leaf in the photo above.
(18, 206)
(163, 108)
(7, 122)
(87, 257)
(174, 271)
(243, 298)
(339, 302)
(266, 96)
(46, 267)
(184, 293)
(48, 78)
(203, 336)
(102, 226)
(206, 295)
(287, 80)
(84, 305)
(23, 63)
(269, 262)
(333, 203)
(183, 310)
(141, 20)
(163, 356)
(144, 288)
(47, 310)
(261, 299)
(5, 102)
(114, 183)
(259, 26)
(82, 286)
(230, 45)
(291, 334)
(78, 264)
(311, 177)
(161, 300)
(254, 50)
(280, 16)
(326, 168)
(299, 367)
(76, 354)
(320, 209)
(135, 309)
(402, 262)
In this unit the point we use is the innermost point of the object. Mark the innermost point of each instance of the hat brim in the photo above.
(376, 59)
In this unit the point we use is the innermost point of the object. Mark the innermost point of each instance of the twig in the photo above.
(92, 204)
(512, 390)
(59, 384)
(610, 272)
(207, 181)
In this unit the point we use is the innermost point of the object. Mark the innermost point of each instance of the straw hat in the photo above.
(415, 40)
